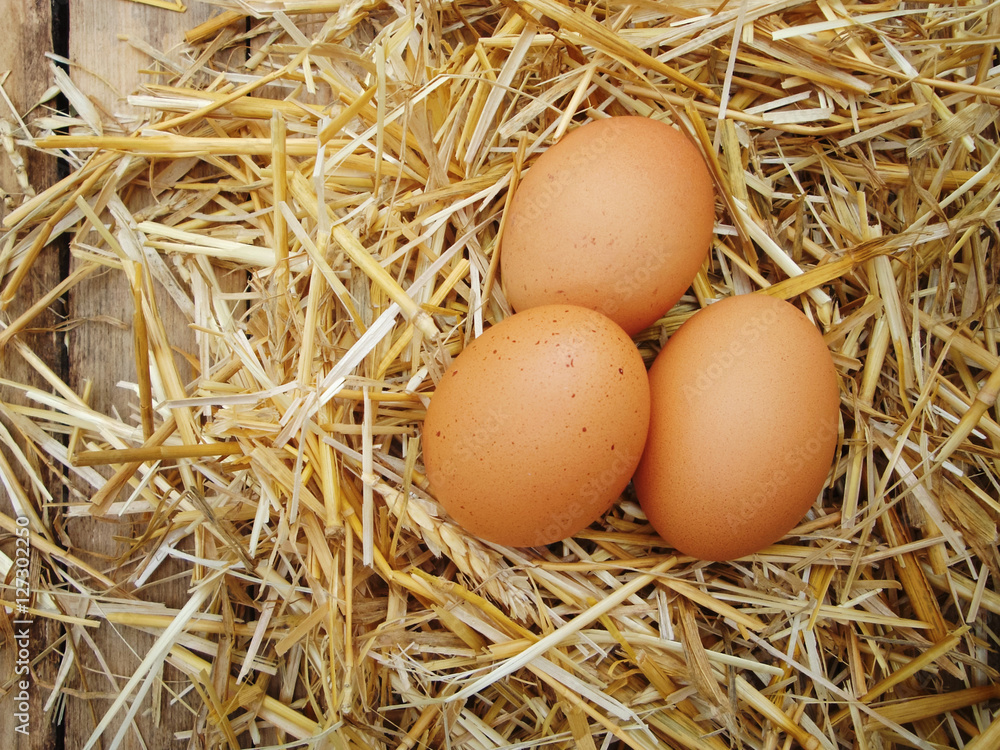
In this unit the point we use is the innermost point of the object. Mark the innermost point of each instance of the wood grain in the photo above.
(101, 350)
(25, 75)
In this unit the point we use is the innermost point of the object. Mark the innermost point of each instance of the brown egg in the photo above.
(617, 217)
(537, 426)
(743, 428)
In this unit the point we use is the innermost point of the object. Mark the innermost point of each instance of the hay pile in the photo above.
(353, 160)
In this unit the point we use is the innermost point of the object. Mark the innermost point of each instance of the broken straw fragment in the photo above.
(381, 278)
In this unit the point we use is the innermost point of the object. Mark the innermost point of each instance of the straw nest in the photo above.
(350, 162)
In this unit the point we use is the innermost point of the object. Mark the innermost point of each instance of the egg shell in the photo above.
(743, 428)
(617, 217)
(537, 426)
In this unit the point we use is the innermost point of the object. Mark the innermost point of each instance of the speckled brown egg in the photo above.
(617, 217)
(537, 426)
(743, 428)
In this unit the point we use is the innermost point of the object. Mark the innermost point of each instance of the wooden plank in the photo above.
(101, 350)
(25, 76)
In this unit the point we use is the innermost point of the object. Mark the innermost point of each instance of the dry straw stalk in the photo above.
(348, 164)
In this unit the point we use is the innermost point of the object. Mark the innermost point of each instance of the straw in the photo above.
(306, 218)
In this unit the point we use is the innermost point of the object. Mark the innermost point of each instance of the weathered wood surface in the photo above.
(96, 345)
(102, 351)
(25, 76)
